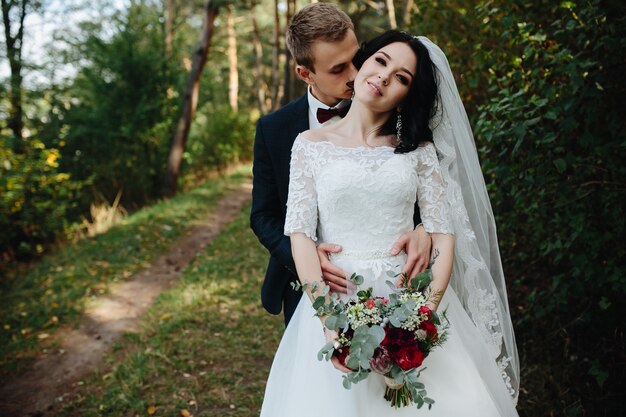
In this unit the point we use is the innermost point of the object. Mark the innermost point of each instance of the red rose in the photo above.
(408, 357)
(429, 328)
(369, 303)
(426, 310)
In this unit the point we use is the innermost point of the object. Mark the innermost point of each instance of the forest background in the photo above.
(98, 120)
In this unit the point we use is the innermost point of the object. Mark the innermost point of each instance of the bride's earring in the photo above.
(399, 126)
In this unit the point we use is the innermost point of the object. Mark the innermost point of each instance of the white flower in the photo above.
(420, 334)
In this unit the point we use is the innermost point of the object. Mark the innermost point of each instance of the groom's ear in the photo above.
(305, 74)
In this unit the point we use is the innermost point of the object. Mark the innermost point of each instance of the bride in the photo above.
(354, 183)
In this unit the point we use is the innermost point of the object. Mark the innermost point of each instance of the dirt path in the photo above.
(39, 390)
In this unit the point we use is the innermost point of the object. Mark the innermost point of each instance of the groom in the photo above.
(322, 41)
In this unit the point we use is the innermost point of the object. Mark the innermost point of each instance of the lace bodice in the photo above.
(363, 198)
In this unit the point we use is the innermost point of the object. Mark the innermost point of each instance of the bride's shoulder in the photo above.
(321, 134)
(314, 135)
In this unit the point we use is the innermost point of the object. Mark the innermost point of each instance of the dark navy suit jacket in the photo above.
(275, 134)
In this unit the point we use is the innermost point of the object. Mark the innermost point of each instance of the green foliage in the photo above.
(218, 137)
(552, 140)
(36, 197)
(110, 126)
(542, 83)
(120, 115)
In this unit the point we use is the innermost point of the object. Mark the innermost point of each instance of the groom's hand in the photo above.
(334, 276)
(416, 244)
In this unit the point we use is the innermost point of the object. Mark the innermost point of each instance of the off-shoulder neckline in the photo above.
(334, 145)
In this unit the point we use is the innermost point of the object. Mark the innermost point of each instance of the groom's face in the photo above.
(333, 73)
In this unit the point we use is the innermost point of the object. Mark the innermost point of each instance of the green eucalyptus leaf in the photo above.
(367, 351)
(363, 294)
(352, 361)
(326, 351)
(391, 285)
(342, 321)
(331, 322)
(378, 333)
(320, 301)
(419, 401)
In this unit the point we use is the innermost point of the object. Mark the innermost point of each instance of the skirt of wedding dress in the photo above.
(460, 376)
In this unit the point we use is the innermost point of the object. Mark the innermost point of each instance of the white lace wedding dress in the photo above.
(363, 199)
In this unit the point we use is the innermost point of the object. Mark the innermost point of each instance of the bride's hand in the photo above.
(332, 335)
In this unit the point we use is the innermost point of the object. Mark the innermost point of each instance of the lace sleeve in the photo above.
(431, 192)
(302, 198)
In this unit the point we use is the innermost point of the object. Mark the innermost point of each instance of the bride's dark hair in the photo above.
(420, 104)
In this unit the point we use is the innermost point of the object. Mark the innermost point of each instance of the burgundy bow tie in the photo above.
(324, 115)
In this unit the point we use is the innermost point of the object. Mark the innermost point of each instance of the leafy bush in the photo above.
(122, 109)
(36, 198)
(552, 140)
(218, 137)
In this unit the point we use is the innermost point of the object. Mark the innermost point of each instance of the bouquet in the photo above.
(388, 336)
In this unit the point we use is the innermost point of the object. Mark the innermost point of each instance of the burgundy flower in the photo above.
(408, 357)
(429, 328)
(395, 336)
(381, 361)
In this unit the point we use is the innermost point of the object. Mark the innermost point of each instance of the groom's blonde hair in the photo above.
(315, 22)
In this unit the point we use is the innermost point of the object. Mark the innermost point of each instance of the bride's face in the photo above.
(384, 79)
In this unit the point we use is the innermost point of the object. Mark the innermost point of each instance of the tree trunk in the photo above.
(190, 101)
(288, 73)
(276, 58)
(391, 13)
(409, 5)
(14, 44)
(169, 27)
(233, 73)
(258, 56)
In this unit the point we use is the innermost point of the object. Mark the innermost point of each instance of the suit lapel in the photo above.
(300, 118)
(295, 121)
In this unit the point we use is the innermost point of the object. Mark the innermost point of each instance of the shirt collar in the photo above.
(315, 104)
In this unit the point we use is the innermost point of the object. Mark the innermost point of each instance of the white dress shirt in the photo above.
(315, 104)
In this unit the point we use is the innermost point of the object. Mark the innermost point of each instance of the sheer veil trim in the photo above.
(477, 276)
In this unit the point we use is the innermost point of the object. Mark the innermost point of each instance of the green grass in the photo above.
(206, 345)
(54, 291)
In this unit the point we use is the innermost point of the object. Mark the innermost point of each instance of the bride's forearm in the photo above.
(442, 258)
(307, 262)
